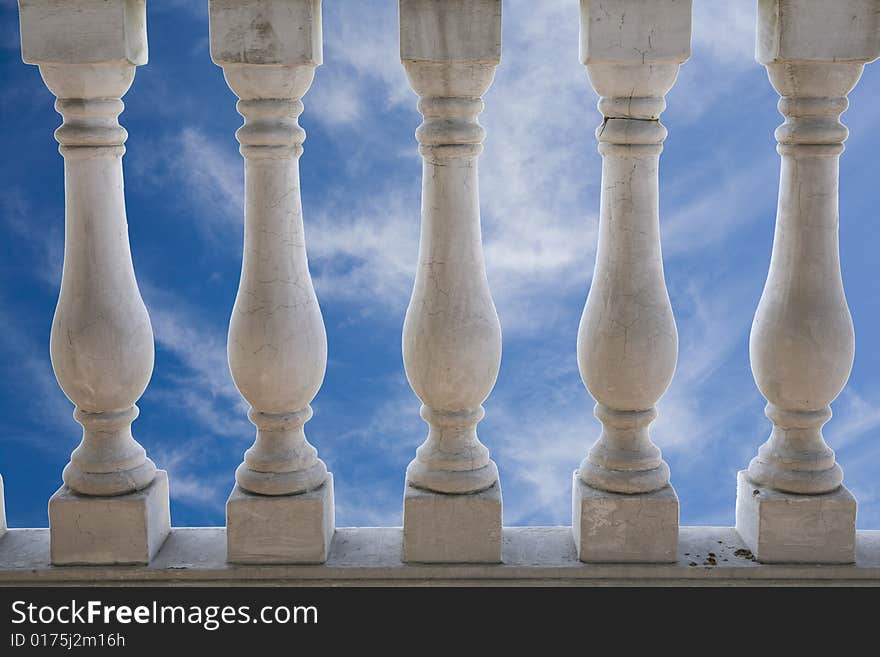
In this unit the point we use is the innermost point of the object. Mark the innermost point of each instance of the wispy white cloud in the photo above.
(208, 173)
(856, 416)
(723, 33)
(361, 59)
(366, 255)
(539, 198)
(45, 420)
(189, 482)
(204, 386)
(41, 237)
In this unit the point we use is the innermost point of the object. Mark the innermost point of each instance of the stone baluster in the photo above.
(113, 506)
(624, 508)
(451, 334)
(791, 505)
(281, 509)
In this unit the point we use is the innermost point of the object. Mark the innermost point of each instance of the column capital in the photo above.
(453, 31)
(633, 51)
(804, 31)
(268, 50)
(640, 33)
(87, 51)
(449, 51)
(75, 32)
(265, 32)
(814, 57)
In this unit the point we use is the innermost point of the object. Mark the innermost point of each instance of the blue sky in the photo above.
(539, 177)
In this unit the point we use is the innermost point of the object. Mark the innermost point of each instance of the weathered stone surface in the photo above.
(805, 30)
(613, 527)
(443, 528)
(83, 31)
(277, 343)
(101, 341)
(450, 31)
(280, 528)
(802, 341)
(451, 333)
(126, 529)
(532, 556)
(634, 31)
(788, 528)
(286, 32)
(113, 507)
(627, 340)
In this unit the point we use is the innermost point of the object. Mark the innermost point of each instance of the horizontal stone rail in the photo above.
(372, 556)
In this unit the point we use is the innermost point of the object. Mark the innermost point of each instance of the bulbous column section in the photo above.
(277, 344)
(624, 507)
(113, 506)
(451, 334)
(791, 505)
(282, 507)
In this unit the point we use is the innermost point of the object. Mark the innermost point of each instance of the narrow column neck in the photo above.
(89, 100)
(90, 128)
(631, 126)
(812, 126)
(450, 129)
(271, 129)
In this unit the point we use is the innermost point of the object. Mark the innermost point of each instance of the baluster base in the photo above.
(790, 528)
(616, 527)
(125, 529)
(280, 528)
(452, 528)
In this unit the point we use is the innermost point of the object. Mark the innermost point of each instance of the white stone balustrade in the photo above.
(451, 334)
(791, 504)
(624, 508)
(113, 506)
(281, 509)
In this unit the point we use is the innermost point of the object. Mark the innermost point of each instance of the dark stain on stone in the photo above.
(744, 554)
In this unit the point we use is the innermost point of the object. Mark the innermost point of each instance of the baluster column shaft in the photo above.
(451, 334)
(281, 509)
(624, 508)
(113, 506)
(791, 504)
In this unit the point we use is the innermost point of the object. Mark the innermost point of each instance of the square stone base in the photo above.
(787, 528)
(611, 527)
(127, 529)
(280, 528)
(440, 528)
